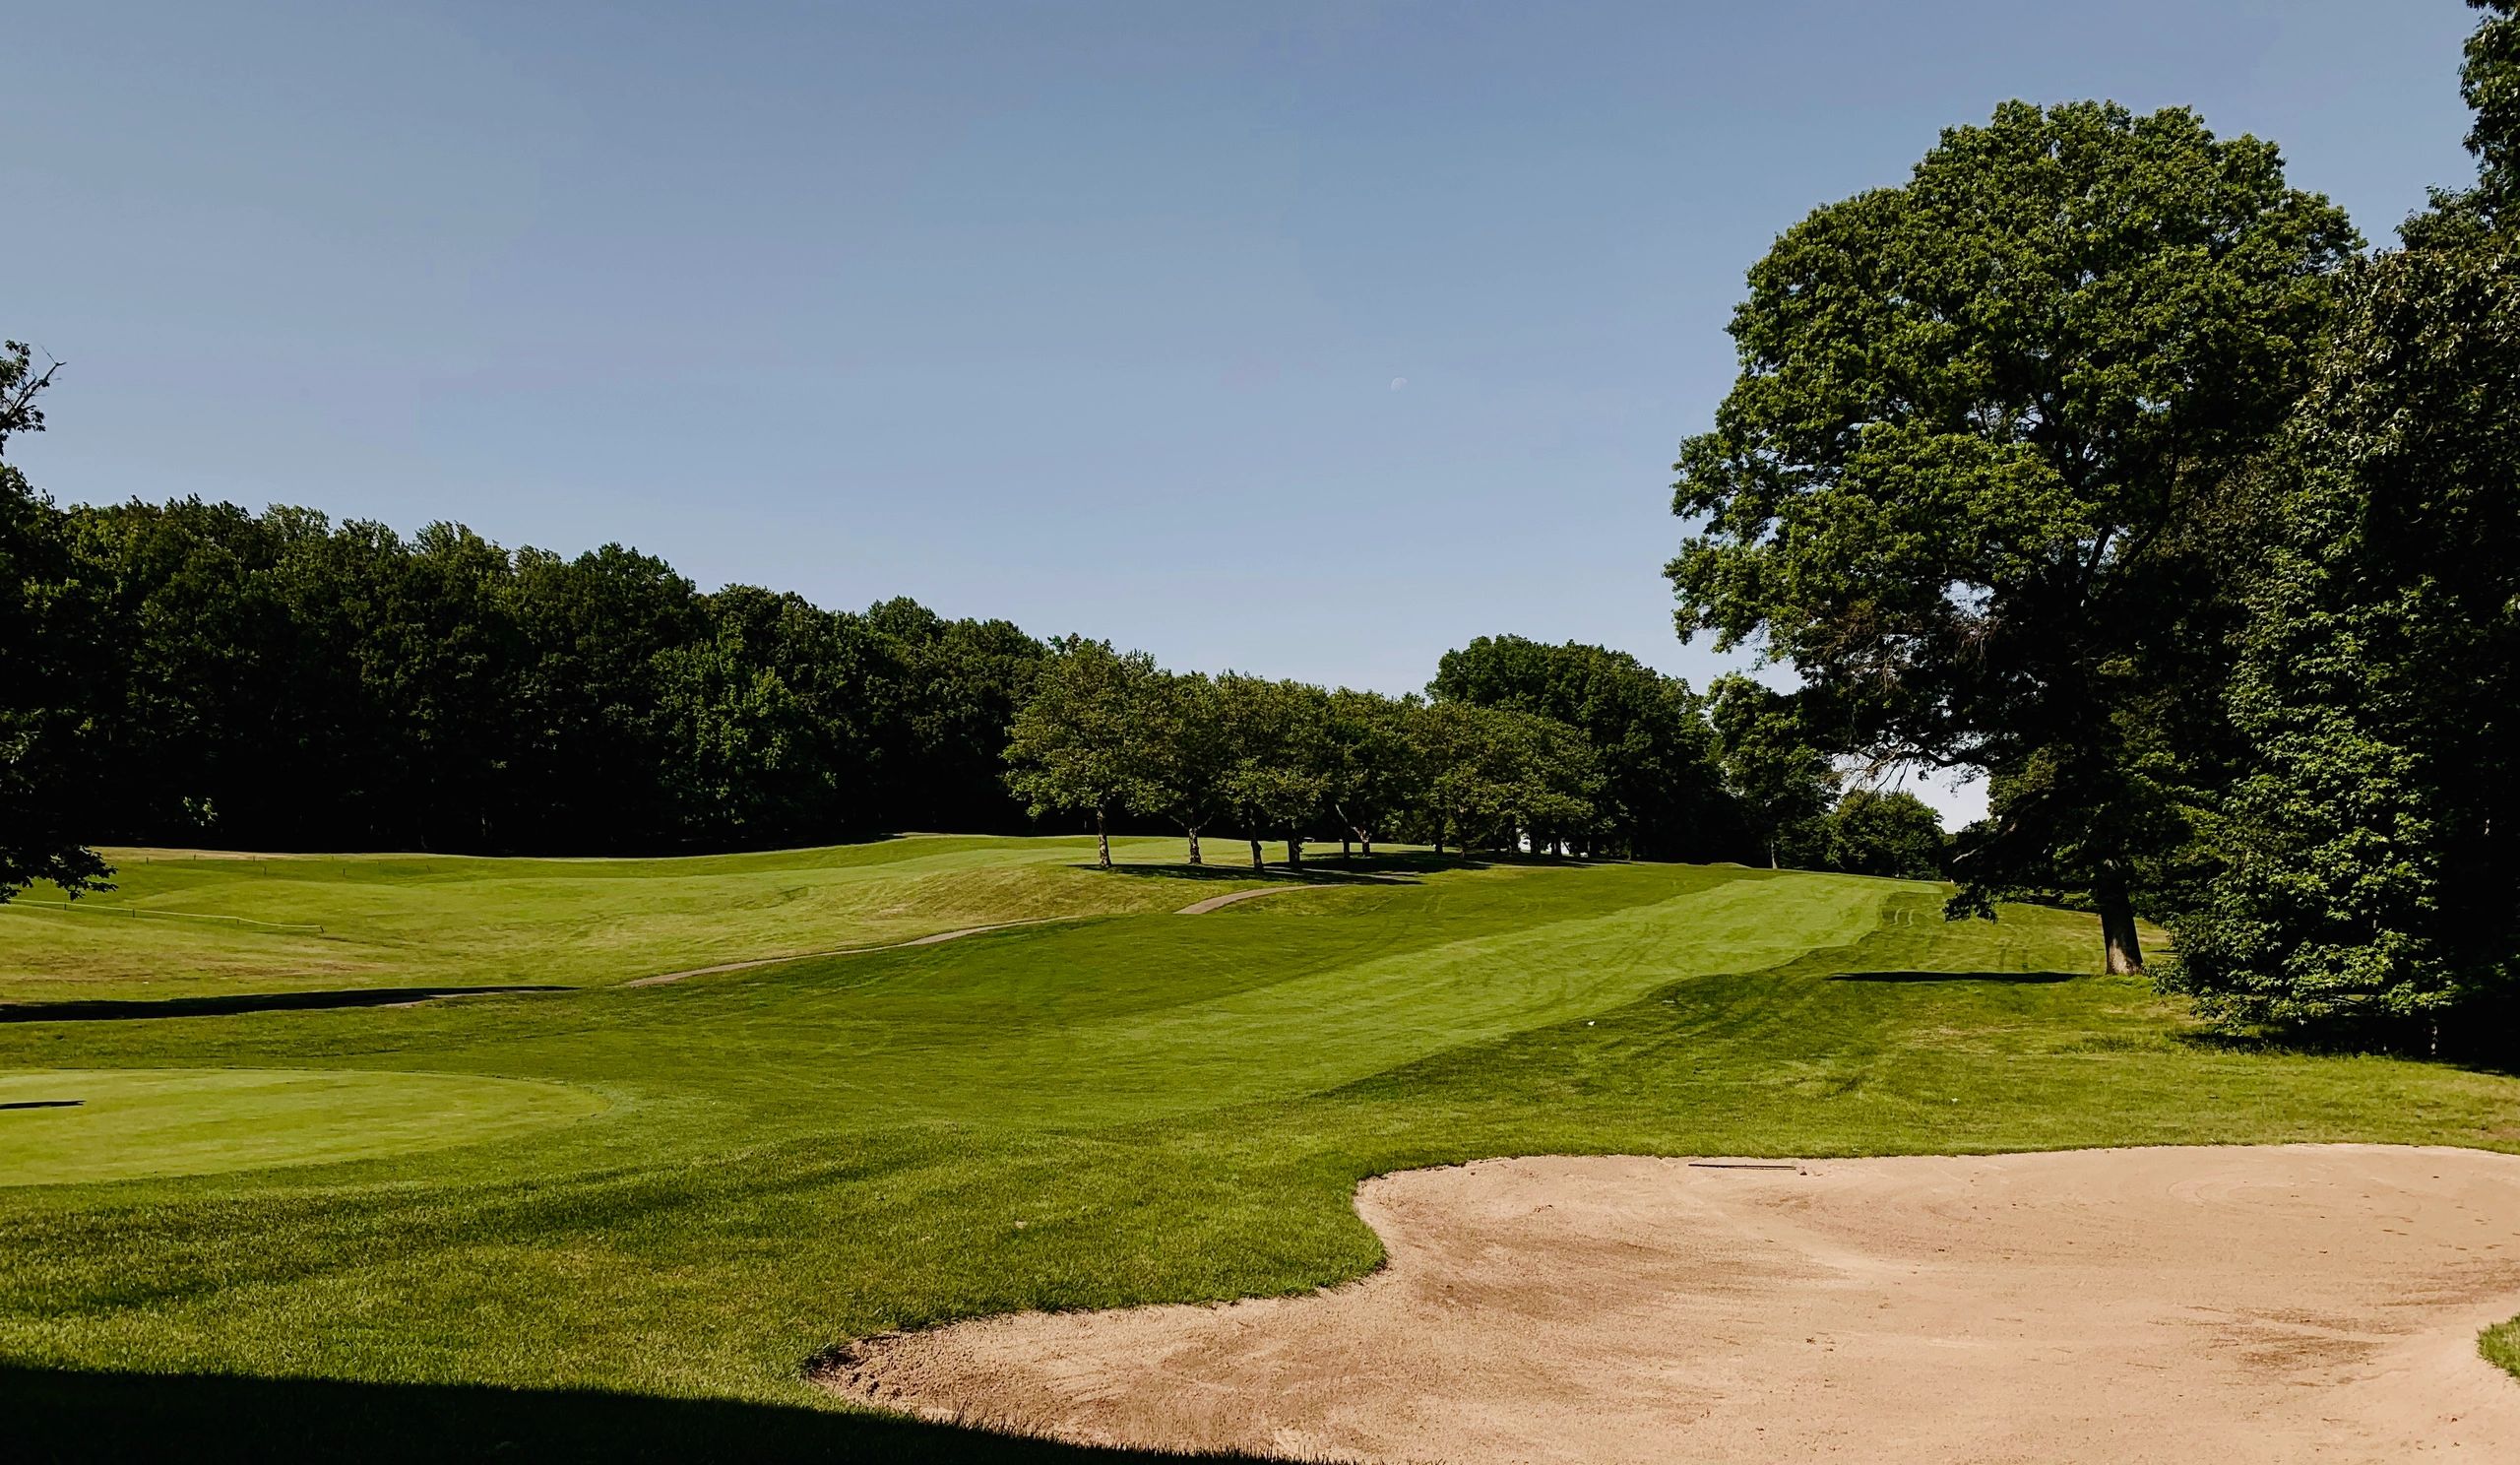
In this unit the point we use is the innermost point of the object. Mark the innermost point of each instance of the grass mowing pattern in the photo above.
(429, 921)
(1120, 1110)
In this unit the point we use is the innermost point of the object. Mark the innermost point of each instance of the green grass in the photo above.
(66, 1125)
(406, 921)
(1121, 1108)
(2501, 1346)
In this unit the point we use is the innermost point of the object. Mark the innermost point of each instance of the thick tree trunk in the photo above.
(1194, 847)
(1257, 862)
(1294, 852)
(1346, 848)
(1366, 842)
(1102, 838)
(2122, 948)
(1439, 846)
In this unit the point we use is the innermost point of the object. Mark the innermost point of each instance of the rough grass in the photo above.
(1121, 1109)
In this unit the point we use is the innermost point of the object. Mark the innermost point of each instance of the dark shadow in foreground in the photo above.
(2003, 978)
(69, 1415)
(223, 1006)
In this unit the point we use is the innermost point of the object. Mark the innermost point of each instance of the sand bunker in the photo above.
(2172, 1305)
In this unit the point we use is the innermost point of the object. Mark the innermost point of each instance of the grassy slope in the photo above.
(425, 921)
(1123, 1109)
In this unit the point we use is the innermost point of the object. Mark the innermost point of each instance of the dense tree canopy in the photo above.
(1662, 795)
(48, 664)
(2372, 846)
(1966, 479)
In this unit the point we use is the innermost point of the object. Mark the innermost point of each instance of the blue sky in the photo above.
(1093, 316)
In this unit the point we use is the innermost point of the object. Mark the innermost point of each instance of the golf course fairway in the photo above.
(624, 1222)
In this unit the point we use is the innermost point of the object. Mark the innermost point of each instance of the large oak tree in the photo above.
(1971, 480)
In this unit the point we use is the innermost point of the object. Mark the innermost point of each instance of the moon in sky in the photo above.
(1398, 382)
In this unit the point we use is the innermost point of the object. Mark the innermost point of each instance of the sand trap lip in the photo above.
(2237, 1304)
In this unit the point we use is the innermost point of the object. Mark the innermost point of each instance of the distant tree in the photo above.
(1662, 793)
(763, 729)
(1279, 775)
(1185, 754)
(1781, 782)
(588, 751)
(1966, 479)
(1876, 833)
(1490, 772)
(942, 695)
(2372, 847)
(47, 687)
(1075, 743)
(1375, 770)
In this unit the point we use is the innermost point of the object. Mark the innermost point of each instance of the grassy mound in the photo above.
(184, 923)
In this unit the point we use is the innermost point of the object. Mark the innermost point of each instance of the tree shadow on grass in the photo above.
(75, 1415)
(2350, 1045)
(2000, 979)
(112, 1010)
(1330, 871)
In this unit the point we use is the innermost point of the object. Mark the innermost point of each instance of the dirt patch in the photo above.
(2235, 1305)
(662, 978)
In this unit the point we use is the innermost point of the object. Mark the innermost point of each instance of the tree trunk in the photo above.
(1103, 837)
(1346, 847)
(1771, 854)
(1366, 843)
(1295, 853)
(1439, 844)
(2123, 950)
(1194, 847)
(1257, 862)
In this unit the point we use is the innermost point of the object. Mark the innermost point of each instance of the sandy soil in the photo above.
(2228, 1306)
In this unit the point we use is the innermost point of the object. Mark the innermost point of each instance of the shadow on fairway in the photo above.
(1999, 979)
(59, 1415)
(223, 1006)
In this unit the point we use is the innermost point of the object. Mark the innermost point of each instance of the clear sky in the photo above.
(1308, 340)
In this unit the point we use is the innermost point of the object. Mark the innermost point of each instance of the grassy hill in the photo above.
(564, 1217)
(183, 922)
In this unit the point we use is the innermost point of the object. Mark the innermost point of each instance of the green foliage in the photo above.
(1781, 782)
(1183, 753)
(275, 680)
(1278, 775)
(1661, 796)
(48, 667)
(2374, 843)
(1075, 743)
(1968, 478)
(1377, 771)
(1876, 833)
(1492, 773)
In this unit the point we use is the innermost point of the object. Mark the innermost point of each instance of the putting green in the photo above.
(59, 1125)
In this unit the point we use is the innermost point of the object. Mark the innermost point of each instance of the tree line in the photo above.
(1568, 750)
(2096, 459)
(205, 674)
(199, 674)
